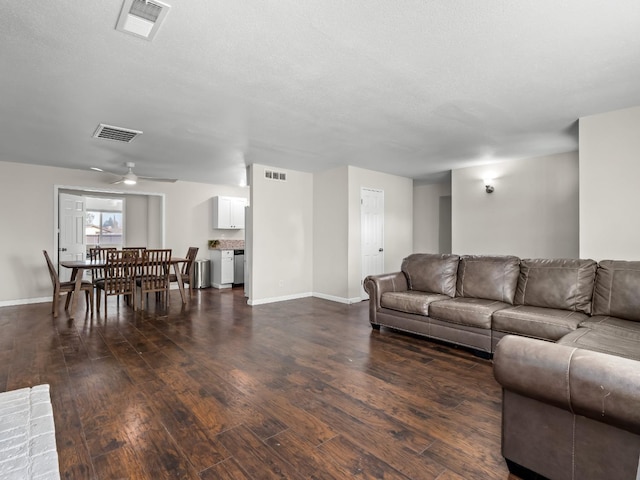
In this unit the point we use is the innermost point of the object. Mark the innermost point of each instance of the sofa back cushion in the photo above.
(431, 272)
(617, 290)
(490, 277)
(564, 284)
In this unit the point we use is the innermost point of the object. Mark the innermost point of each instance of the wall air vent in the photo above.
(118, 134)
(271, 175)
(142, 18)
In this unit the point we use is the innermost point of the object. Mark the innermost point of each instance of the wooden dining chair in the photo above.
(186, 270)
(99, 253)
(119, 277)
(156, 264)
(60, 288)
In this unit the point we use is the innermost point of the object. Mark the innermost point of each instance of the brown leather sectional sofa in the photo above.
(566, 339)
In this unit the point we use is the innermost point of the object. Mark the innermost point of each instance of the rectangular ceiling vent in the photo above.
(118, 134)
(271, 175)
(142, 18)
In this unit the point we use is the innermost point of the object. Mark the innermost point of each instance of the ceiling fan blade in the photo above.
(117, 182)
(158, 179)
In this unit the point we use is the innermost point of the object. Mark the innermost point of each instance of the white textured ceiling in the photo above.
(409, 87)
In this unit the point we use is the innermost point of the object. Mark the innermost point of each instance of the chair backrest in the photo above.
(120, 272)
(138, 250)
(191, 257)
(52, 270)
(99, 253)
(155, 268)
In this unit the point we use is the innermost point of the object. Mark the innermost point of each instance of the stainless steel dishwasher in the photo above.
(238, 267)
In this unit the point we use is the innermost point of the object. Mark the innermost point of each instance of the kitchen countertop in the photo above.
(229, 245)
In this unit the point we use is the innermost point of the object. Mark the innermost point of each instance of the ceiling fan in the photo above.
(131, 178)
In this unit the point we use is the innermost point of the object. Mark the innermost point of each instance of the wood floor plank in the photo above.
(259, 460)
(310, 461)
(221, 390)
(229, 469)
(355, 462)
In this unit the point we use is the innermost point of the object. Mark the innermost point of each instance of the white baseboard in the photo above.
(221, 285)
(333, 298)
(24, 301)
(284, 298)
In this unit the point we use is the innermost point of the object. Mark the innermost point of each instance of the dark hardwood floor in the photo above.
(220, 390)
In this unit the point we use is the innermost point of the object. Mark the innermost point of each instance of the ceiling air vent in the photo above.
(118, 134)
(142, 18)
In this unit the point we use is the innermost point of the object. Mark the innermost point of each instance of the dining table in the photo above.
(78, 267)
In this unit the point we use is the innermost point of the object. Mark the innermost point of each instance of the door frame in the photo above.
(93, 190)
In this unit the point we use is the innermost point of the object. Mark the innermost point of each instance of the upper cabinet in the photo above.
(228, 212)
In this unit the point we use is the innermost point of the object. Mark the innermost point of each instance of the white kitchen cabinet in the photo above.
(228, 212)
(222, 268)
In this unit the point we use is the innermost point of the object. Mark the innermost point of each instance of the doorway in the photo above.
(142, 220)
(371, 234)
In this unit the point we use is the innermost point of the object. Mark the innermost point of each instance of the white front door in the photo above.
(71, 233)
(372, 233)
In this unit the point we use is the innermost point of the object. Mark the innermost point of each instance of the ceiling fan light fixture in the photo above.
(130, 178)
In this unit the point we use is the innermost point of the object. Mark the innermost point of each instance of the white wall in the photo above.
(331, 233)
(281, 236)
(426, 216)
(609, 185)
(533, 212)
(136, 223)
(29, 229)
(398, 222)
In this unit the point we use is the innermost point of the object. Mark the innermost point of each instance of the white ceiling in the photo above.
(409, 87)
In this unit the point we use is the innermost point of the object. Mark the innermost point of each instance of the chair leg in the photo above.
(54, 304)
(98, 298)
(86, 299)
(66, 303)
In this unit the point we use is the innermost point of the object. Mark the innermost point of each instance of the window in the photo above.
(104, 228)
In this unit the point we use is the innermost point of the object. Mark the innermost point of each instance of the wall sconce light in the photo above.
(488, 185)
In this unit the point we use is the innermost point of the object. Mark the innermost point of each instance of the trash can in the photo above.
(201, 274)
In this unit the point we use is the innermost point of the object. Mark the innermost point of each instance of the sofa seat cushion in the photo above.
(564, 284)
(475, 312)
(490, 277)
(430, 272)
(617, 289)
(620, 344)
(544, 323)
(614, 325)
(410, 301)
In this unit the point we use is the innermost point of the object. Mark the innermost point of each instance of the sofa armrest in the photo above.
(376, 285)
(596, 385)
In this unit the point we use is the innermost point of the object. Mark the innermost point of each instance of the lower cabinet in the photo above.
(222, 268)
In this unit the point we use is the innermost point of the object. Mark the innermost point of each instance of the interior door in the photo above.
(372, 233)
(71, 233)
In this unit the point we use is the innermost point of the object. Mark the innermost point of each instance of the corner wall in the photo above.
(533, 212)
(426, 216)
(609, 192)
(331, 234)
(281, 236)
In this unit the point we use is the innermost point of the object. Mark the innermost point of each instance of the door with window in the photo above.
(372, 233)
